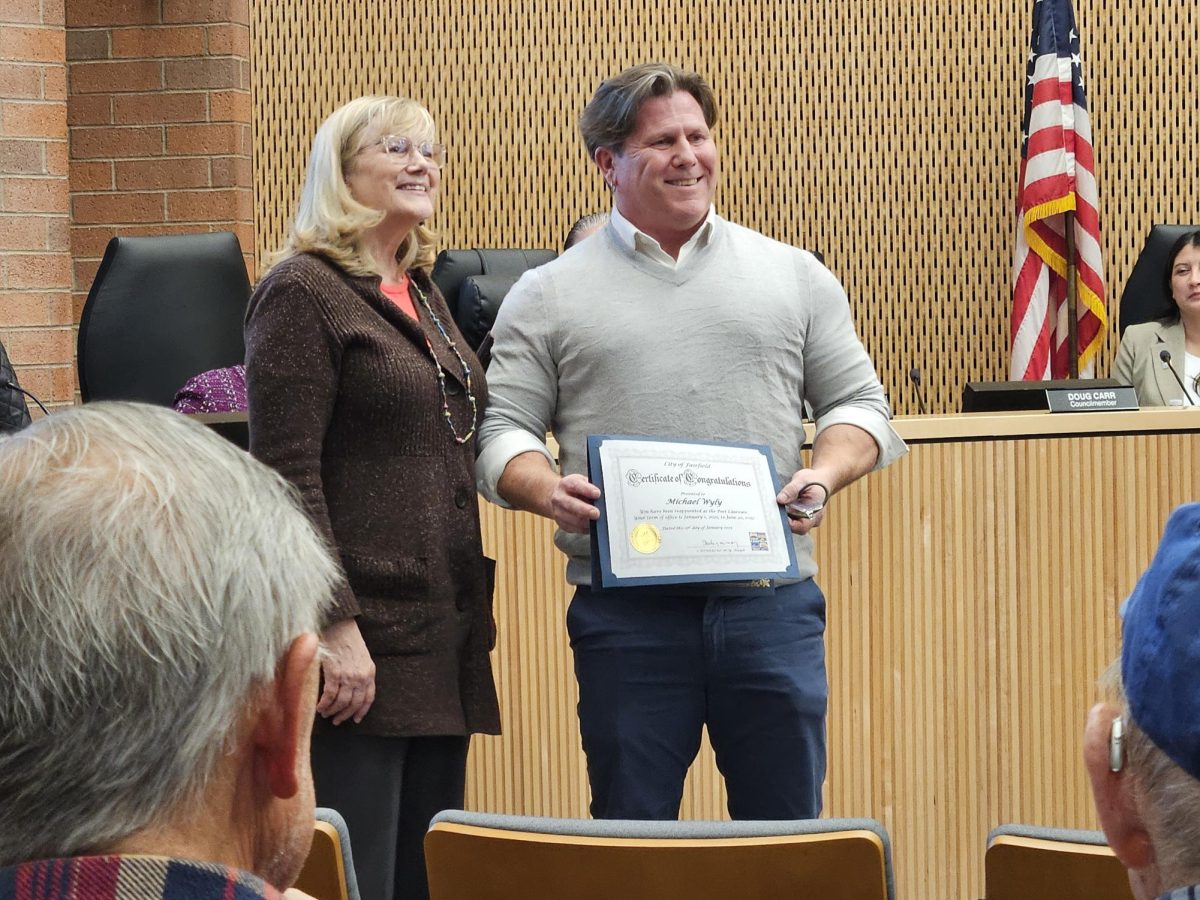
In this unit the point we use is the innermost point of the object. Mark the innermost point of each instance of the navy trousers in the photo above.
(656, 665)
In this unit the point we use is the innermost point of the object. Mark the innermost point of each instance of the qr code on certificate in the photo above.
(758, 540)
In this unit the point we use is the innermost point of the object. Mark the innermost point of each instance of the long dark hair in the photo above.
(1191, 239)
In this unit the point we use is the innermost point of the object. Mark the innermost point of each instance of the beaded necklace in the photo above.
(466, 370)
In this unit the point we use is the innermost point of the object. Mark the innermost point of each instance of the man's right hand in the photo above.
(349, 674)
(572, 504)
(529, 483)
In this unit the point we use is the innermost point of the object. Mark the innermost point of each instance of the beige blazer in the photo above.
(1138, 362)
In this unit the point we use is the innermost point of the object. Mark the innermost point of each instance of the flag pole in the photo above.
(1072, 298)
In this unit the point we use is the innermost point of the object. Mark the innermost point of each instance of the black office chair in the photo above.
(161, 310)
(14, 413)
(1143, 299)
(475, 282)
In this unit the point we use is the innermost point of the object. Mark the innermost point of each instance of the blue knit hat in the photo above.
(1160, 653)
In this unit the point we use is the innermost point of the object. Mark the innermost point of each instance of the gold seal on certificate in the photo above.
(645, 538)
(674, 511)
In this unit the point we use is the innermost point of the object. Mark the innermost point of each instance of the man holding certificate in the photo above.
(672, 324)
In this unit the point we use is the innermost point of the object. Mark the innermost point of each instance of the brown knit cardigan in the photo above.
(344, 401)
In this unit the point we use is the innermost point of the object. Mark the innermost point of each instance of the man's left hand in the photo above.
(805, 488)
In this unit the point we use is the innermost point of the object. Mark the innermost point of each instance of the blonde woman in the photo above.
(364, 395)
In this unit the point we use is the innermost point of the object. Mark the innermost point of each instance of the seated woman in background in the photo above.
(1139, 358)
(365, 396)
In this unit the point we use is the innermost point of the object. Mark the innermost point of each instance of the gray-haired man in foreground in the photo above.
(1142, 747)
(160, 593)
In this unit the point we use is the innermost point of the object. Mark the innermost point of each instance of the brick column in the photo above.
(35, 264)
(159, 116)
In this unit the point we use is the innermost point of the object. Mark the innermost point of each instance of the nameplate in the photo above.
(1091, 399)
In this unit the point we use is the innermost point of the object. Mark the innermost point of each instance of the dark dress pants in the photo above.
(655, 665)
(387, 790)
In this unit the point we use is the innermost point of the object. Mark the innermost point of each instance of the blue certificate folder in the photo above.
(602, 541)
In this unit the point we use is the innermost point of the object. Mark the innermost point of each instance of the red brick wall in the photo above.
(159, 116)
(116, 117)
(35, 263)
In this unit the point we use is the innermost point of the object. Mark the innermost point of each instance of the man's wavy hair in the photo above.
(611, 115)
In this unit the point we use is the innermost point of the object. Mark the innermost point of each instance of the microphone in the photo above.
(1165, 356)
(914, 375)
(13, 386)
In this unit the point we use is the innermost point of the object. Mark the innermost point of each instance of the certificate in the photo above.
(675, 511)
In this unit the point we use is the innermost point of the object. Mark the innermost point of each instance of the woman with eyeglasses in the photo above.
(1140, 359)
(364, 395)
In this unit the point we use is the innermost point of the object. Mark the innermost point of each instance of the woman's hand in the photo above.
(349, 674)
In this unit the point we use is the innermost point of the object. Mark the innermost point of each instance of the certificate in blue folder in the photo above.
(680, 511)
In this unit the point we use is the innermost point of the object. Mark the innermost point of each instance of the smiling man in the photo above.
(672, 322)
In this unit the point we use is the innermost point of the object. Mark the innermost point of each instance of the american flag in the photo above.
(1057, 176)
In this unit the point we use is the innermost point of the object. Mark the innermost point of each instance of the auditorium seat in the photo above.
(1027, 862)
(328, 872)
(473, 856)
(162, 309)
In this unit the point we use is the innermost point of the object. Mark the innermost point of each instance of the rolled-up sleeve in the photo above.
(522, 384)
(840, 383)
(891, 445)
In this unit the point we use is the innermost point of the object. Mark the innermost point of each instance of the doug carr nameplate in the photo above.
(1091, 399)
(675, 511)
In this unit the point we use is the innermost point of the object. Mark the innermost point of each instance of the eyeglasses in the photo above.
(402, 148)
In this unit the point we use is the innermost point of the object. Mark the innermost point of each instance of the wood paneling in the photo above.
(884, 135)
(972, 586)
(973, 591)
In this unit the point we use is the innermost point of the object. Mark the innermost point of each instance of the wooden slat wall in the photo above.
(884, 135)
(967, 626)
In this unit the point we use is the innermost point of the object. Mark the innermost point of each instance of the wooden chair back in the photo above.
(470, 862)
(1022, 867)
(324, 872)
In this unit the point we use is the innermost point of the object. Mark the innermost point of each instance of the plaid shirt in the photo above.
(130, 878)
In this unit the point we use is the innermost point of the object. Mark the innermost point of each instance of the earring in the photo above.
(1116, 742)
